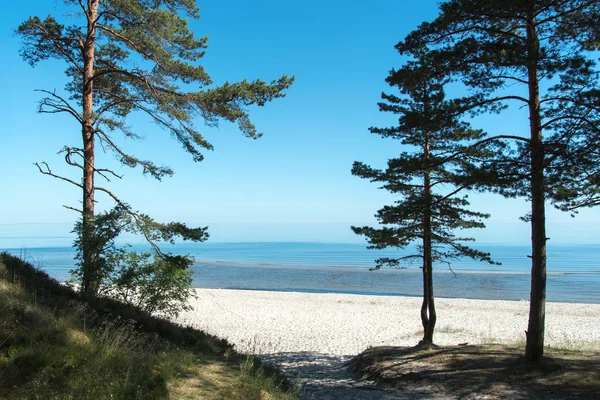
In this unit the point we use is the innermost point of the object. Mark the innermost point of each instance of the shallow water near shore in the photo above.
(573, 271)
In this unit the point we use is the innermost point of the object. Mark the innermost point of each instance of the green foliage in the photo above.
(255, 380)
(541, 55)
(427, 177)
(53, 346)
(107, 226)
(46, 356)
(133, 56)
(152, 282)
(511, 52)
(145, 60)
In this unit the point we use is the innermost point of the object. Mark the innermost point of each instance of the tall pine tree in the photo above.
(429, 179)
(537, 54)
(127, 56)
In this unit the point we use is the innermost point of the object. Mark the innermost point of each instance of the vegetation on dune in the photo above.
(54, 346)
(126, 57)
(160, 284)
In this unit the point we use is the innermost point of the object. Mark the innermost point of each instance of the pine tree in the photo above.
(127, 56)
(537, 54)
(428, 178)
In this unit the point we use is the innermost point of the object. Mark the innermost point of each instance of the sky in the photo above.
(294, 183)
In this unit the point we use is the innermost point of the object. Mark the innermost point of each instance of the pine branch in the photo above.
(552, 18)
(467, 149)
(129, 42)
(74, 209)
(136, 216)
(100, 171)
(66, 107)
(61, 50)
(46, 171)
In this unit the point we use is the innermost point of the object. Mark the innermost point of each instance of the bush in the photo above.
(153, 283)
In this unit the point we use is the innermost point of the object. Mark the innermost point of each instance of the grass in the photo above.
(448, 329)
(482, 371)
(563, 344)
(53, 346)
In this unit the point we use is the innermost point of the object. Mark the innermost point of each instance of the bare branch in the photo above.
(105, 138)
(66, 107)
(73, 208)
(82, 6)
(489, 101)
(104, 171)
(450, 269)
(108, 106)
(46, 171)
(119, 201)
(511, 77)
(100, 171)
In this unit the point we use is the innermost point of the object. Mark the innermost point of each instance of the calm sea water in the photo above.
(573, 271)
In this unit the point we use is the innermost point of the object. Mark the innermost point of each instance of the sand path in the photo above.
(311, 335)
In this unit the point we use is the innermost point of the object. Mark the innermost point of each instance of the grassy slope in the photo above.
(53, 346)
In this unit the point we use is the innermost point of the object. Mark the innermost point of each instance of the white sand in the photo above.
(339, 324)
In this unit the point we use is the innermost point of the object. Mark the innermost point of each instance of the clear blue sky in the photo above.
(292, 184)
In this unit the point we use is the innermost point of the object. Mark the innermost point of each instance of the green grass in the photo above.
(53, 346)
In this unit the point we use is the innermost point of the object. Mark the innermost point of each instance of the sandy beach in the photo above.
(261, 322)
(311, 336)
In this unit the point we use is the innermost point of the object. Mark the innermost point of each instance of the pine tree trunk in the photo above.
(90, 273)
(428, 336)
(428, 298)
(424, 304)
(428, 316)
(537, 306)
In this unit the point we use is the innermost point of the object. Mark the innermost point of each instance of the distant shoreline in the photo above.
(377, 294)
(573, 272)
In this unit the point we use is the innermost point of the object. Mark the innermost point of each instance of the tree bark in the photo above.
(424, 304)
(428, 316)
(537, 306)
(90, 273)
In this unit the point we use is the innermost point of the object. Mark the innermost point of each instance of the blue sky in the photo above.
(294, 183)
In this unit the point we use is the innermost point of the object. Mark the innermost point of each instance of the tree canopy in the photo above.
(537, 54)
(134, 56)
(430, 178)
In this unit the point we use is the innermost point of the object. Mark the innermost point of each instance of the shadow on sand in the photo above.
(326, 377)
(490, 371)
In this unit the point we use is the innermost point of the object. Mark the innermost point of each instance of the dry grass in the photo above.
(492, 371)
(53, 346)
(202, 381)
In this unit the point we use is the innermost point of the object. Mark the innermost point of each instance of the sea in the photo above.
(573, 271)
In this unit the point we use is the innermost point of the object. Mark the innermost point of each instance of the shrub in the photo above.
(153, 283)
